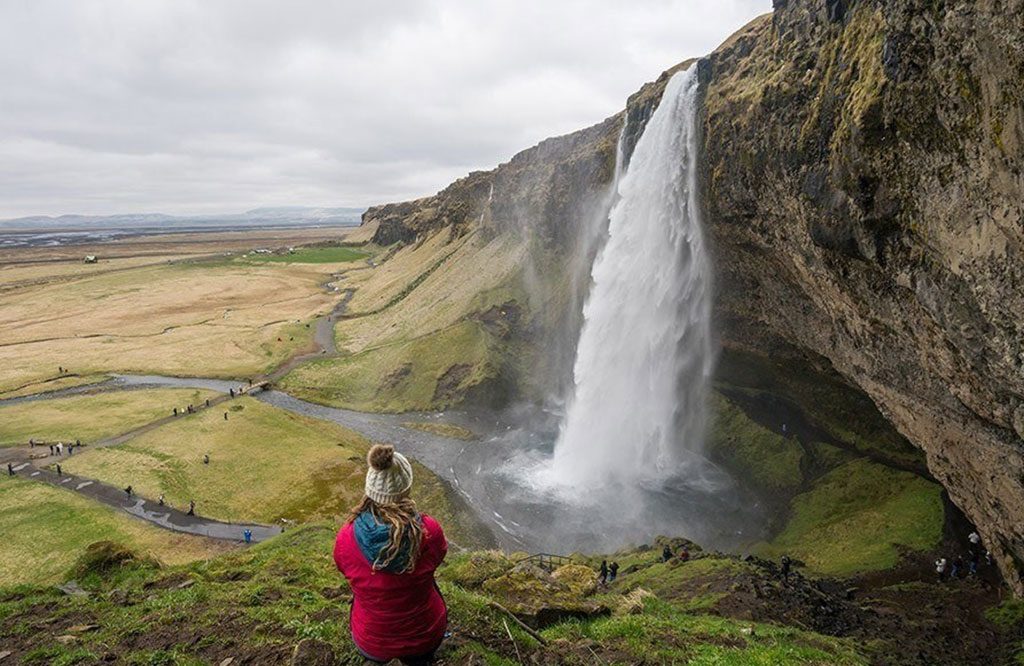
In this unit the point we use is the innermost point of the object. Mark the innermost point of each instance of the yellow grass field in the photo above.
(227, 319)
(91, 417)
(265, 464)
(45, 529)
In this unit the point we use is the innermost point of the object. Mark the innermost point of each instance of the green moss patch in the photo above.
(760, 457)
(313, 255)
(858, 517)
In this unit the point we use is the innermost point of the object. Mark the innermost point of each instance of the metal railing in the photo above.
(546, 561)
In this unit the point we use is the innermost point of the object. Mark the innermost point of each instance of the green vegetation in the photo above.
(856, 517)
(693, 585)
(762, 458)
(429, 372)
(1007, 615)
(91, 418)
(313, 255)
(263, 600)
(663, 634)
(266, 464)
(45, 529)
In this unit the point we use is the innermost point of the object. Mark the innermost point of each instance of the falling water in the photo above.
(645, 352)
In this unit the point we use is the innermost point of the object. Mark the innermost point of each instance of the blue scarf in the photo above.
(373, 537)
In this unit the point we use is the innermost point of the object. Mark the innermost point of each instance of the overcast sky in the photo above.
(201, 106)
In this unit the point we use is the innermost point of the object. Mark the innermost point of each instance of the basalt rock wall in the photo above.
(864, 193)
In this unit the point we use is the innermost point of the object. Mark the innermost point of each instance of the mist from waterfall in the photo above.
(645, 352)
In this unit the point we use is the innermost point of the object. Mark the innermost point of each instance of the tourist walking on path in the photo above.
(51, 449)
(666, 553)
(958, 565)
(191, 507)
(613, 571)
(128, 491)
(940, 568)
(160, 500)
(603, 575)
(247, 535)
(972, 562)
(59, 472)
(787, 564)
(225, 416)
(974, 538)
(60, 449)
(389, 551)
(10, 469)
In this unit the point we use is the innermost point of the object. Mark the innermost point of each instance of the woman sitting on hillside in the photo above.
(388, 552)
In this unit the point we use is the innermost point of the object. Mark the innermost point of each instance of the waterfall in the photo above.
(645, 350)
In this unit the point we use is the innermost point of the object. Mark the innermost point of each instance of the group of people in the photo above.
(961, 566)
(59, 448)
(608, 572)
(667, 554)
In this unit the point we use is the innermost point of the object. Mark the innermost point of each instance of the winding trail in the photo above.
(434, 451)
(34, 464)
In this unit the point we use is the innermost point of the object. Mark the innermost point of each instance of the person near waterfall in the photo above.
(389, 551)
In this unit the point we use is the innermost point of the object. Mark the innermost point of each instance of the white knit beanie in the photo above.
(389, 477)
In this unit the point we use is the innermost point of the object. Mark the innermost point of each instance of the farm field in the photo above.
(91, 417)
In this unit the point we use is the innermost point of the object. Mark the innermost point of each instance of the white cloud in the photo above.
(187, 106)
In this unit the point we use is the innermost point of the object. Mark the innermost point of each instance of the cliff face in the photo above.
(864, 192)
(864, 201)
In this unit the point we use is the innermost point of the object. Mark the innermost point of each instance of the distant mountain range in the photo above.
(276, 216)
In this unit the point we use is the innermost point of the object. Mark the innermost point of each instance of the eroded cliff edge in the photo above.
(863, 190)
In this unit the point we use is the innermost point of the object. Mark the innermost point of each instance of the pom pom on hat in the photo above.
(380, 456)
(389, 477)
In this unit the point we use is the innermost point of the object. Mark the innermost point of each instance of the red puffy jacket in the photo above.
(395, 615)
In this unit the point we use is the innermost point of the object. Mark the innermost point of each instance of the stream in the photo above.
(492, 475)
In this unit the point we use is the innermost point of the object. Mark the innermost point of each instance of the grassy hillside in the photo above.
(860, 517)
(281, 602)
(428, 326)
(257, 605)
(45, 529)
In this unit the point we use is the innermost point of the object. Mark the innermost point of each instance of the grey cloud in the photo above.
(187, 106)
